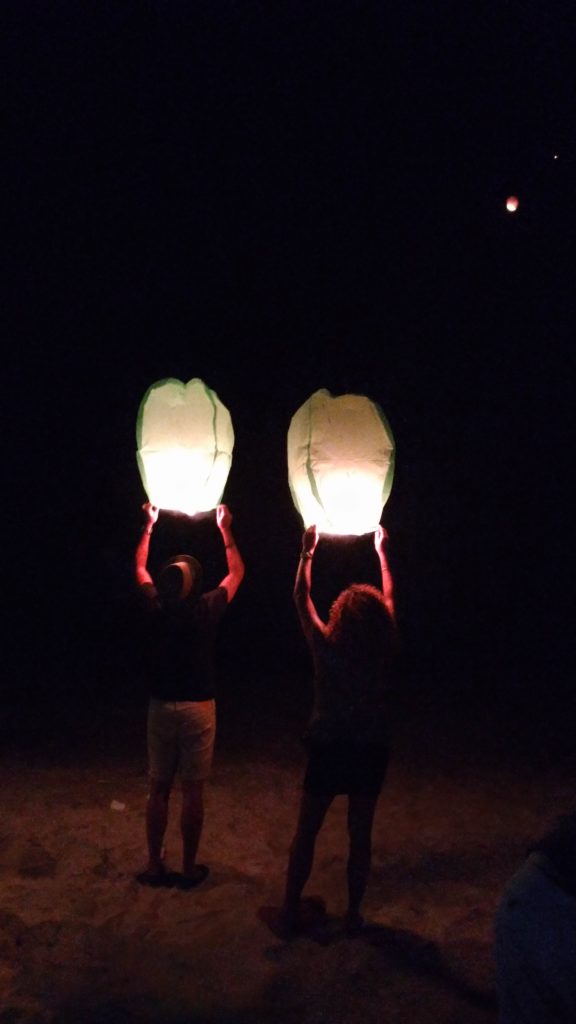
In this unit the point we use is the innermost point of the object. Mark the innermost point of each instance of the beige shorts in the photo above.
(181, 739)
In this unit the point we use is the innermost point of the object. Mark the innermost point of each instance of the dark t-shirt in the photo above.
(349, 697)
(178, 644)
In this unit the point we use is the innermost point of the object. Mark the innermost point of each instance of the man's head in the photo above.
(179, 579)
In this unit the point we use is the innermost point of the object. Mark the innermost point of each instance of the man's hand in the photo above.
(380, 538)
(141, 556)
(310, 540)
(223, 517)
(151, 512)
(235, 574)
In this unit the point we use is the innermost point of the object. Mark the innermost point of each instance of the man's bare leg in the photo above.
(191, 822)
(156, 821)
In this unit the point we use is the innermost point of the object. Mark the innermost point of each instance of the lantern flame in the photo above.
(512, 204)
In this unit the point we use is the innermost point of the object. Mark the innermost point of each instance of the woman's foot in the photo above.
(156, 877)
(308, 914)
(288, 923)
(353, 922)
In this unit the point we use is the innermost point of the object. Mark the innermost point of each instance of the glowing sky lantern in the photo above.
(340, 462)
(512, 204)
(185, 441)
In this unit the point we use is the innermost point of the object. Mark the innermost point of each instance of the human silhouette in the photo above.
(180, 625)
(346, 737)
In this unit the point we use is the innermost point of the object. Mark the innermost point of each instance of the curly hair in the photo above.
(360, 624)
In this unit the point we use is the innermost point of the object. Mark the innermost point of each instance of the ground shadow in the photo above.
(408, 952)
(405, 951)
(456, 865)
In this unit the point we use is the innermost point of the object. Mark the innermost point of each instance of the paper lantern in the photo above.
(512, 204)
(340, 462)
(185, 440)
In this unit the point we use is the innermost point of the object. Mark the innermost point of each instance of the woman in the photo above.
(346, 736)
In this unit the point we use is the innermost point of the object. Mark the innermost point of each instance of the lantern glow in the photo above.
(340, 463)
(185, 440)
(512, 204)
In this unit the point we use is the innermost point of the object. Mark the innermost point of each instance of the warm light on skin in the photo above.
(512, 204)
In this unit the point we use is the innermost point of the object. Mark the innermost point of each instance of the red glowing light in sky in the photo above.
(512, 204)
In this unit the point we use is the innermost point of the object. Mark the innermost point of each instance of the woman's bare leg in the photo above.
(360, 820)
(312, 812)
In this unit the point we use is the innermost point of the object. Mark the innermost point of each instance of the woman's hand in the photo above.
(223, 517)
(309, 541)
(380, 539)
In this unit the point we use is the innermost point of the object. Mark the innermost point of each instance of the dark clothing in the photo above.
(346, 737)
(343, 767)
(349, 696)
(557, 854)
(179, 645)
(535, 948)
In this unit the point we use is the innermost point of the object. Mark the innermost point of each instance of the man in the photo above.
(181, 625)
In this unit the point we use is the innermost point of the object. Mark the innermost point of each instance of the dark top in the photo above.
(178, 644)
(349, 696)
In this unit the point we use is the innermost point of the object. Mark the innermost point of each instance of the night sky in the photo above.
(278, 197)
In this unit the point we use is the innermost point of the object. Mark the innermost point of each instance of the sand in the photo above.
(81, 941)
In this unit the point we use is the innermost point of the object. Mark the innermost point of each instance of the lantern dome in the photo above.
(185, 440)
(340, 463)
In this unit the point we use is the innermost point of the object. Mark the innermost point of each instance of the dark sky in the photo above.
(278, 197)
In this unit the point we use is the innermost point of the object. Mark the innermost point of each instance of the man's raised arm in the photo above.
(141, 555)
(235, 575)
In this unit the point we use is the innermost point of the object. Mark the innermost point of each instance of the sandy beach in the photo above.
(81, 941)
